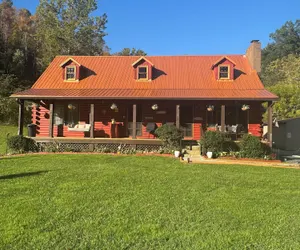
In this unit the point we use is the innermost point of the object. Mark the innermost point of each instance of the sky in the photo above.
(190, 27)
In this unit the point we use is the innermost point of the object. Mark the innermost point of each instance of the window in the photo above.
(73, 115)
(187, 129)
(138, 128)
(223, 72)
(70, 73)
(142, 73)
(59, 114)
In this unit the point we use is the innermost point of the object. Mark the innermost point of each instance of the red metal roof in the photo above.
(181, 77)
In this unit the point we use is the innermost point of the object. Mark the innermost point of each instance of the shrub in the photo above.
(252, 147)
(213, 141)
(230, 146)
(170, 135)
(21, 144)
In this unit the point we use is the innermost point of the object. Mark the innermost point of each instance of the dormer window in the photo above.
(71, 73)
(142, 73)
(71, 70)
(224, 72)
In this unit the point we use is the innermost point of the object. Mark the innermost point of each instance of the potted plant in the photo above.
(177, 153)
(209, 154)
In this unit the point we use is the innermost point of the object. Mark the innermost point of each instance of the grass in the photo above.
(4, 130)
(130, 202)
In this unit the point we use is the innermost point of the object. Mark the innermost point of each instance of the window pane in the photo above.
(142, 70)
(73, 115)
(223, 69)
(59, 113)
(142, 76)
(187, 129)
(70, 70)
(138, 128)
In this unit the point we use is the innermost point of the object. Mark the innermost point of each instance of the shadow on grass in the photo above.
(20, 175)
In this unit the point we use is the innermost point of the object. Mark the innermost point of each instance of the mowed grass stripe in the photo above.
(131, 202)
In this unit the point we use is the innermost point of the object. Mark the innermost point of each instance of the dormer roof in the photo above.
(141, 59)
(223, 58)
(68, 60)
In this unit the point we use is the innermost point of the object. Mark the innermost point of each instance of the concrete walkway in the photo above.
(276, 164)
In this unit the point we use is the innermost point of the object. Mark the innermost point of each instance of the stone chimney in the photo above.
(254, 55)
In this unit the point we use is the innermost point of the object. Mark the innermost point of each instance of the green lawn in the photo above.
(131, 202)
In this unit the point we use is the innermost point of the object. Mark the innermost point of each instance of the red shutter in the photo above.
(64, 73)
(150, 72)
(77, 72)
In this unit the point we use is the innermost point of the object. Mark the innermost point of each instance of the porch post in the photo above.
(134, 121)
(51, 116)
(270, 124)
(92, 120)
(223, 118)
(21, 117)
(177, 116)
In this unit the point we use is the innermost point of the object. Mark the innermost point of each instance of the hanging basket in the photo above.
(245, 107)
(210, 108)
(154, 107)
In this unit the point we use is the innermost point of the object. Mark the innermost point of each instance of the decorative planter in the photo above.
(177, 153)
(209, 155)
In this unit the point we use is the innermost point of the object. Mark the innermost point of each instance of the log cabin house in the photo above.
(123, 99)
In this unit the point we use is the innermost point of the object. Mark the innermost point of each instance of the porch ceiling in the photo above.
(184, 94)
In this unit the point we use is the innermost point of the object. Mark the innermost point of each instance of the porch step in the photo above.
(194, 158)
(194, 151)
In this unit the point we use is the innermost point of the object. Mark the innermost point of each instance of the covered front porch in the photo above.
(112, 120)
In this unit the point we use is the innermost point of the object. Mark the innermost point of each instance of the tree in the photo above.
(284, 70)
(7, 18)
(289, 104)
(283, 80)
(284, 41)
(131, 52)
(67, 27)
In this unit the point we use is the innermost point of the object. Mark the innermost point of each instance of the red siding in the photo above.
(104, 114)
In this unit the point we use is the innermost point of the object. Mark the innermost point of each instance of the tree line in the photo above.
(29, 42)
(281, 69)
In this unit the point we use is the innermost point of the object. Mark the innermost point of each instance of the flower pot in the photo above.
(177, 153)
(209, 155)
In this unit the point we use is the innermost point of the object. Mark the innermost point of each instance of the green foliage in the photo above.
(131, 52)
(280, 69)
(21, 144)
(6, 131)
(289, 104)
(285, 41)
(9, 112)
(170, 135)
(252, 147)
(284, 70)
(66, 27)
(230, 146)
(213, 141)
